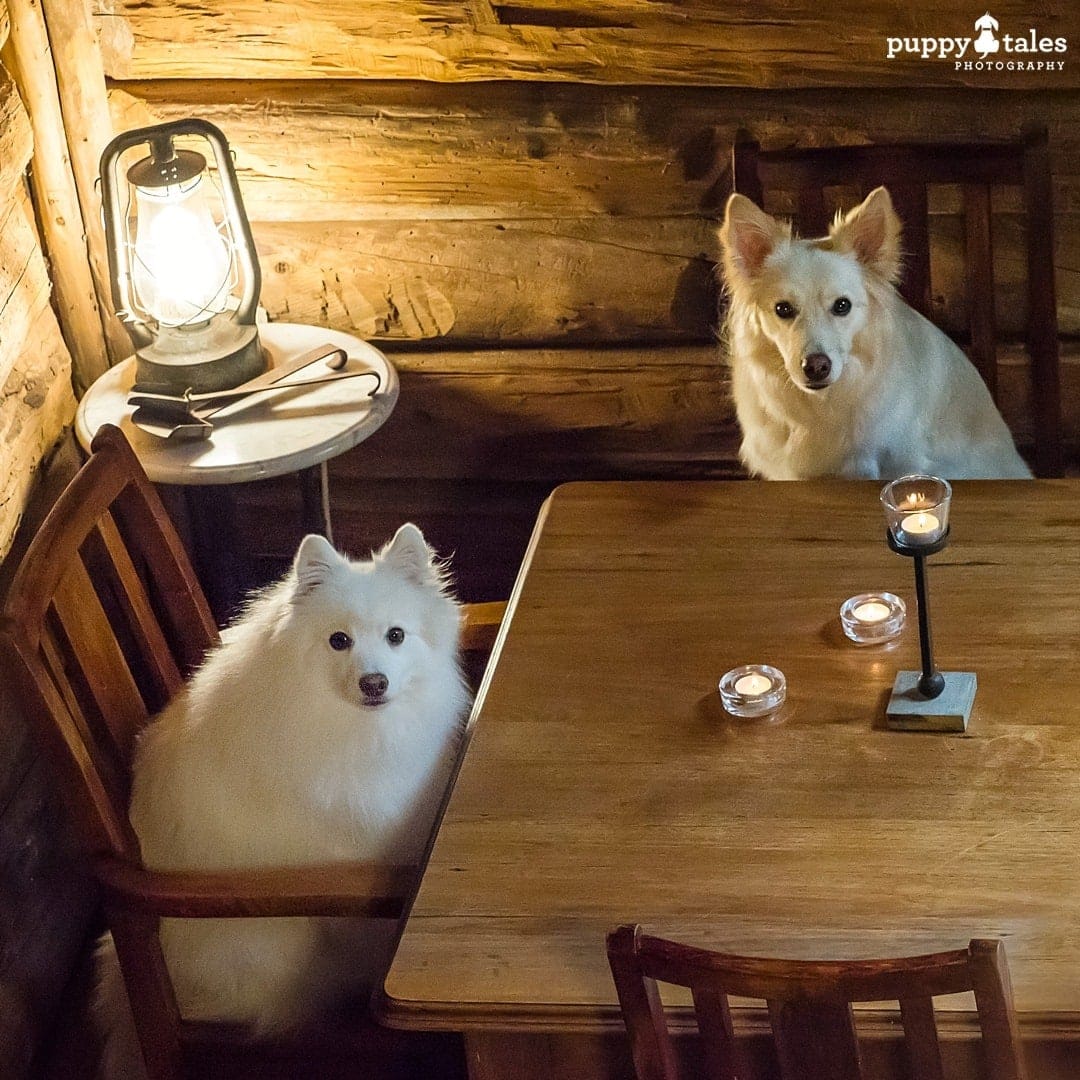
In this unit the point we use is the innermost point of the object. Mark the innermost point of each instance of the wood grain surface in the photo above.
(521, 214)
(605, 784)
(765, 45)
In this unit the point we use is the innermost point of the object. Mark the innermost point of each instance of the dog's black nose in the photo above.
(374, 684)
(816, 367)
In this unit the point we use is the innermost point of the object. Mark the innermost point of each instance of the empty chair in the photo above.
(103, 621)
(809, 1006)
(907, 170)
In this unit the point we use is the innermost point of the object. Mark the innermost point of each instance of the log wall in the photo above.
(43, 901)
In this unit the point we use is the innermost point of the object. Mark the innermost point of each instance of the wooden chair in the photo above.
(809, 1004)
(103, 621)
(907, 170)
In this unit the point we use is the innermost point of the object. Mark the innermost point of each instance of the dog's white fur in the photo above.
(273, 756)
(899, 396)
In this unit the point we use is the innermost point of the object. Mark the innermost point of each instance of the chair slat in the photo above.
(745, 175)
(650, 1041)
(911, 204)
(1042, 336)
(154, 653)
(148, 532)
(815, 1039)
(98, 794)
(718, 1035)
(921, 1038)
(997, 1013)
(979, 283)
(812, 215)
(96, 655)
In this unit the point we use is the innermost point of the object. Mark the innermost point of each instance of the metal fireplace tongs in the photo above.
(187, 416)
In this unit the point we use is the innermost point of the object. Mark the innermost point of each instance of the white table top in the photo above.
(266, 435)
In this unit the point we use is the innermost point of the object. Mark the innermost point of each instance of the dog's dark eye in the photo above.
(784, 310)
(340, 641)
(395, 635)
(841, 306)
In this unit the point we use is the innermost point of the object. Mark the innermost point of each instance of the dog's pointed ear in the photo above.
(315, 562)
(872, 232)
(408, 554)
(748, 237)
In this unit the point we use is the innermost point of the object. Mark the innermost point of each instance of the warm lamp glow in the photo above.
(182, 271)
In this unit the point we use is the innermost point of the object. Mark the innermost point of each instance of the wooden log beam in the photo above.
(24, 280)
(35, 405)
(409, 150)
(547, 280)
(27, 56)
(16, 138)
(80, 80)
(36, 401)
(763, 45)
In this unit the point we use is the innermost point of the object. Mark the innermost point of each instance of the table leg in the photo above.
(315, 493)
(218, 563)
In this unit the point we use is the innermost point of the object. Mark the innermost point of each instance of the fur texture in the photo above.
(325, 727)
(833, 374)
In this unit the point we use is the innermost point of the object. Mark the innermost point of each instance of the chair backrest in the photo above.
(907, 170)
(809, 1005)
(103, 621)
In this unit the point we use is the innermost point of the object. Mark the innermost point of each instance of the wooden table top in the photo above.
(604, 783)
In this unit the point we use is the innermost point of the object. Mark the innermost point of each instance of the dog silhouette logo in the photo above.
(986, 43)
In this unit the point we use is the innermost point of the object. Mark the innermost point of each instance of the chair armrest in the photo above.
(372, 889)
(480, 625)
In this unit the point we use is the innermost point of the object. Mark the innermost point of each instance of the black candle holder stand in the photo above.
(928, 700)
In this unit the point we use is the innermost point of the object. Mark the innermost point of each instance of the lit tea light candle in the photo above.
(923, 525)
(751, 685)
(873, 618)
(753, 690)
(871, 612)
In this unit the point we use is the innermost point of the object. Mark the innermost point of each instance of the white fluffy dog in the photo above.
(324, 728)
(833, 374)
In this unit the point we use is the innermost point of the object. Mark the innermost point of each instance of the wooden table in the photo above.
(603, 783)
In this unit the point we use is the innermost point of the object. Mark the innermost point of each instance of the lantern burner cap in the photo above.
(166, 167)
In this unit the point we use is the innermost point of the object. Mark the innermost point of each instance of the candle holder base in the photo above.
(908, 710)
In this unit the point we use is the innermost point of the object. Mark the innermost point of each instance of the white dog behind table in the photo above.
(325, 728)
(833, 374)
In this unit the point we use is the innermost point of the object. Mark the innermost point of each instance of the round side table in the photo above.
(266, 435)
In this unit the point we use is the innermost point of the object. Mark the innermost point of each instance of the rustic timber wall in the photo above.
(43, 903)
(518, 202)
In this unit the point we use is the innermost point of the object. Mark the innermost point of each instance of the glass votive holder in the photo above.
(753, 690)
(917, 509)
(873, 618)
